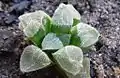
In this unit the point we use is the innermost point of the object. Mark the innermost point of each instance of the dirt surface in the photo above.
(104, 15)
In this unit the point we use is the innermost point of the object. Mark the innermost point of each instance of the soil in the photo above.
(104, 15)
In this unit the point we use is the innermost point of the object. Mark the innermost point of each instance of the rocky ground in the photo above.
(104, 15)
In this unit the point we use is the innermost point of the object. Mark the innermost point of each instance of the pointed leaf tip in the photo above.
(33, 58)
(31, 23)
(87, 34)
(70, 59)
(63, 18)
(51, 42)
(85, 70)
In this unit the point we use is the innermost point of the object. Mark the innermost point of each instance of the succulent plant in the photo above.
(62, 36)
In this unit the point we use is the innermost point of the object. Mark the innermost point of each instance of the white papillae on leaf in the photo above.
(85, 70)
(75, 14)
(33, 58)
(65, 14)
(32, 20)
(88, 34)
(70, 59)
(32, 28)
(51, 41)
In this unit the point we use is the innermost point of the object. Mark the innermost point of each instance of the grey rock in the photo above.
(19, 7)
(10, 19)
(1, 4)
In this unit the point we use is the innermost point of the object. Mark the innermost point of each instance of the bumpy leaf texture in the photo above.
(87, 34)
(65, 38)
(70, 59)
(31, 23)
(85, 70)
(63, 18)
(51, 42)
(33, 58)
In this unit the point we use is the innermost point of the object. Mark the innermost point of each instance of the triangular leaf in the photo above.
(33, 58)
(32, 28)
(70, 59)
(74, 13)
(31, 23)
(85, 70)
(35, 25)
(51, 42)
(65, 38)
(88, 34)
(63, 18)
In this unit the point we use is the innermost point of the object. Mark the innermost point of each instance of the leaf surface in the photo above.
(65, 38)
(87, 34)
(63, 18)
(51, 42)
(70, 59)
(85, 70)
(31, 23)
(33, 58)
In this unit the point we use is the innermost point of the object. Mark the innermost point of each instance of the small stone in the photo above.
(20, 7)
(5, 37)
(2, 16)
(100, 71)
(10, 19)
(73, 2)
(1, 6)
(1, 42)
(117, 71)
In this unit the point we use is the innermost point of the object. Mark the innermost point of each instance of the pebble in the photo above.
(2, 15)
(19, 7)
(1, 6)
(10, 19)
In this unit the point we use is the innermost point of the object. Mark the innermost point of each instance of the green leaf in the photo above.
(88, 34)
(75, 40)
(70, 59)
(60, 29)
(75, 22)
(32, 28)
(47, 24)
(35, 25)
(33, 58)
(51, 42)
(34, 33)
(38, 37)
(73, 30)
(31, 23)
(85, 70)
(65, 38)
(63, 18)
